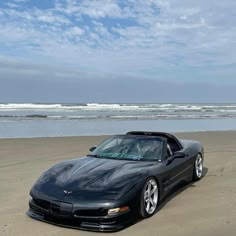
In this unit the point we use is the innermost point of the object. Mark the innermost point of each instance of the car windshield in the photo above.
(130, 148)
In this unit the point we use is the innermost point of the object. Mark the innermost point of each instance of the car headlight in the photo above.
(114, 211)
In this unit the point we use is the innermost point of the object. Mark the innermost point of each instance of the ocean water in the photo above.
(49, 120)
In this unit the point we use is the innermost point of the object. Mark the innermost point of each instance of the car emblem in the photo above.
(67, 192)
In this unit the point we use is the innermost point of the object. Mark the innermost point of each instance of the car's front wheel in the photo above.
(198, 168)
(149, 198)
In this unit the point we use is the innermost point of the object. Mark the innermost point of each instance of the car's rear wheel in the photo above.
(149, 198)
(198, 168)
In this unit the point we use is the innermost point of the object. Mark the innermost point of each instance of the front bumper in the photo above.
(68, 215)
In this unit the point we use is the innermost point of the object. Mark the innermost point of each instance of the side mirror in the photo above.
(179, 154)
(92, 148)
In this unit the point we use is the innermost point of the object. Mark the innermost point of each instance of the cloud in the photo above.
(132, 38)
(51, 18)
(95, 9)
(30, 82)
(68, 86)
(20, 1)
(12, 5)
(92, 8)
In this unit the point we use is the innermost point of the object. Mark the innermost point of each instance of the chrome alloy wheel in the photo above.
(199, 166)
(151, 196)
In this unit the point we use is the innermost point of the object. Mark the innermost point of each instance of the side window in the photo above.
(173, 145)
(169, 151)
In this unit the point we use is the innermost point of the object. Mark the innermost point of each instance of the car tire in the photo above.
(198, 168)
(149, 199)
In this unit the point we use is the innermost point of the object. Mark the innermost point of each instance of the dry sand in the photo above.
(207, 207)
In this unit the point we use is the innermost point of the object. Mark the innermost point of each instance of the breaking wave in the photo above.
(115, 111)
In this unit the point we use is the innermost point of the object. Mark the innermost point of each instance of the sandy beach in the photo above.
(207, 207)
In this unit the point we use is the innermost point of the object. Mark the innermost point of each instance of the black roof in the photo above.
(160, 134)
(150, 133)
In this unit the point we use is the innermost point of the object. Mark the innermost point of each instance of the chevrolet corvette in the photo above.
(122, 179)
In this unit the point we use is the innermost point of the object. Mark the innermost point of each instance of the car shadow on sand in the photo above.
(178, 189)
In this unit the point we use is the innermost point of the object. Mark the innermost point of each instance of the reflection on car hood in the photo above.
(90, 177)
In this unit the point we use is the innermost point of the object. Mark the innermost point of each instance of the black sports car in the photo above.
(124, 177)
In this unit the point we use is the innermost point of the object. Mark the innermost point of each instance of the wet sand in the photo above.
(207, 207)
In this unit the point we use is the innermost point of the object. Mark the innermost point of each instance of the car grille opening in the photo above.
(42, 203)
(55, 207)
(91, 213)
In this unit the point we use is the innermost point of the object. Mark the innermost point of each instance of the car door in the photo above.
(173, 170)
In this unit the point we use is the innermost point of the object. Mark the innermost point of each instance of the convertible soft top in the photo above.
(160, 134)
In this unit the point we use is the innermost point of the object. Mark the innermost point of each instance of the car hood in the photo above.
(91, 177)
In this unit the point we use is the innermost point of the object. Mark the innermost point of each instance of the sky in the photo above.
(117, 51)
